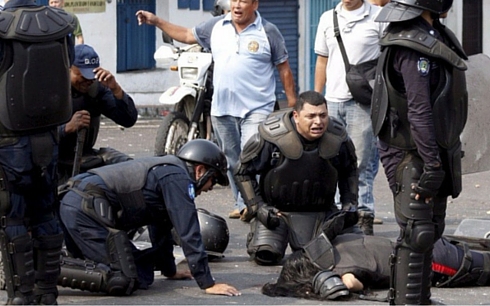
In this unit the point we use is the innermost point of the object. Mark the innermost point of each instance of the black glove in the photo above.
(268, 216)
(430, 181)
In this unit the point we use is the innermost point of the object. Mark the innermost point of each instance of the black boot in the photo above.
(18, 267)
(47, 254)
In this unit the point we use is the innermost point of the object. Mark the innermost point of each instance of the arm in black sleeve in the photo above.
(418, 90)
(121, 111)
(254, 158)
(177, 190)
(161, 239)
(348, 175)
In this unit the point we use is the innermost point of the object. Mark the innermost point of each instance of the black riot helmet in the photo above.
(220, 7)
(446, 5)
(214, 232)
(205, 152)
(401, 10)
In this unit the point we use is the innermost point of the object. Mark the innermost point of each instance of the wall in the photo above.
(144, 86)
(455, 22)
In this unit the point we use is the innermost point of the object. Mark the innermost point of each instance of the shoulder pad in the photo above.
(333, 138)
(252, 148)
(278, 129)
(416, 39)
(336, 127)
(36, 24)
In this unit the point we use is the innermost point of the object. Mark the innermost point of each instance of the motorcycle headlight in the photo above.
(188, 73)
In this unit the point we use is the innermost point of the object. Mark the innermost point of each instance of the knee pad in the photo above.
(419, 235)
(119, 284)
(406, 207)
(120, 253)
(267, 247)
(87, 275)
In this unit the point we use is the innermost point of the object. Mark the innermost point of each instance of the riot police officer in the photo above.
(35, 56)
(419, 111)
(104, 203)
(302, 155)
(94, 92)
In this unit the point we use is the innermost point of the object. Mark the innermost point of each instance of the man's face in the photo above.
(78, 81)
(200, 171)
(56, 3)
(311, 121)
(351, 5)
(243, 11)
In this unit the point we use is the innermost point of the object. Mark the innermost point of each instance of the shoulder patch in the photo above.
(192, 192)
(423, 66)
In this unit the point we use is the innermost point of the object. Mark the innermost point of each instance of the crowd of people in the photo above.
(57, 188)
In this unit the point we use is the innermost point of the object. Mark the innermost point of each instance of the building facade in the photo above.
(126, 49)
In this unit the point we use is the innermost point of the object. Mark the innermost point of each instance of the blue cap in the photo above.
(86, 60)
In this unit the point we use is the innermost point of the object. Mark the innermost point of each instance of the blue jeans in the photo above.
(357, 119)
(232, 133)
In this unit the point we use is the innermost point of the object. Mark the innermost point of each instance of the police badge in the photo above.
(253, 46)
(423, 66)
(192, 192)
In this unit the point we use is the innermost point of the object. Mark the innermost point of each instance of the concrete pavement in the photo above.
(236, 269)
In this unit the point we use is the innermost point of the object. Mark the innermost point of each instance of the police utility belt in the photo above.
(95, 203)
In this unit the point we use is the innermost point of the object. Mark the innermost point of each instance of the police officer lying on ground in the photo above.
(302, 156)
(35, 53)
(94, 92)
(104, 203)
(331, 266)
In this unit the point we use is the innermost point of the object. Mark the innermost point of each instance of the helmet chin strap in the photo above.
(204, 178)
(199, 183)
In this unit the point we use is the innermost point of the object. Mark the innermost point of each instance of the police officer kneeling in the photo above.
(302, 155)
(105, 203)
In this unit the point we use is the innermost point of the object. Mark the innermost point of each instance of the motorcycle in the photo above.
(187, 105)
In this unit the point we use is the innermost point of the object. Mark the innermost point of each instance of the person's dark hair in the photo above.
(311, 97)
(295, 278)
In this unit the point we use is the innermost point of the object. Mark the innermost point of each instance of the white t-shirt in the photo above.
(360, 35)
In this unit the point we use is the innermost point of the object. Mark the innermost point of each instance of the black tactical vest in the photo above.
(34, 72)
(449, 101)
(128, 188)
(302, 180)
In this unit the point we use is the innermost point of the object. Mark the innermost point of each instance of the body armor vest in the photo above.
(449, 101)
(302, 181)
(35, 71)
(128, 188)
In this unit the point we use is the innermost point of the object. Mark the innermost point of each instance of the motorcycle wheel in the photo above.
(3, 285)
(171, 134)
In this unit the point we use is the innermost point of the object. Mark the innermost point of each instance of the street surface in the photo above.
(236, 269)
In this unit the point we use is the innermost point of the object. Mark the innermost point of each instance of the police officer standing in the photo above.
(35, 57)
(107, 202)
(301, 155)
(419, 111)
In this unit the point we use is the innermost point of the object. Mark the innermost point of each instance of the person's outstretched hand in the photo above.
(223, 289)
(145, 17)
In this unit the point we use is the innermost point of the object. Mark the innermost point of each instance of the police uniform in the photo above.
(35, 56)
(298, 178)
(107, 202)
(419, 110)
(98, 101)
